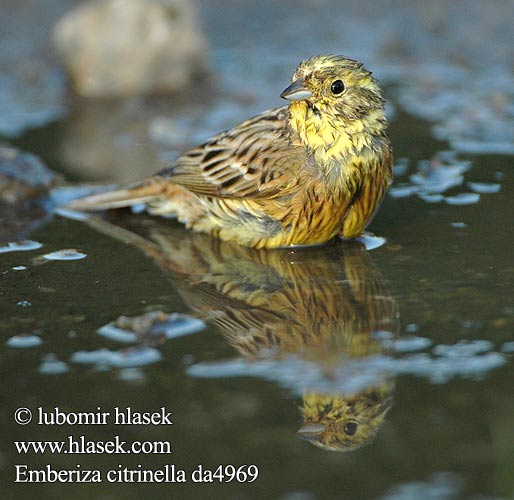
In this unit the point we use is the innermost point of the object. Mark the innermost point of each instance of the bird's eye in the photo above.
(350, 428)
(337, 87)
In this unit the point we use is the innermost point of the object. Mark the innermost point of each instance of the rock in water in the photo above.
(23, 176)
(119, 48)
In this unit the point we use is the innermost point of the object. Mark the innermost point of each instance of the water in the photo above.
(340, 372)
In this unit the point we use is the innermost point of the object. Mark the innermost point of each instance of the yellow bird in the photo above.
(301, 174)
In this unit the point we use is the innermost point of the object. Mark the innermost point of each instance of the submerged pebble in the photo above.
(24, 340)
(20, 246)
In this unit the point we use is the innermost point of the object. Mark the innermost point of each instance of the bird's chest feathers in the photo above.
(333, 142)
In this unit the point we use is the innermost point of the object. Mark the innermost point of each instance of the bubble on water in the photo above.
(19, 268)
(151, 324)
(408, 344)
(434, 177)
(117, 334)
(403, 190)
(463, 348)
(431, 198)
(472, 360)
(125, 358)
(138, 208)
(65, 254)
(24, 303)
(51, 365)
(459, 225)
(439, 486)
(484, 187)
(462, 199)
(401, 167)
(440, 173)
(24, 340)
(411, 328)
(508, 347)
(182, 324)
(131, 375)
(382, 335)
(20, 246)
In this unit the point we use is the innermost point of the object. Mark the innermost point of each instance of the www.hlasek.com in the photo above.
(78, 445)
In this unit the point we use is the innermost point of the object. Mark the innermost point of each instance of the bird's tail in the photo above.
(142, 192)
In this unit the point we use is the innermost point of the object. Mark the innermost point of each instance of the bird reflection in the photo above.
(304, 317)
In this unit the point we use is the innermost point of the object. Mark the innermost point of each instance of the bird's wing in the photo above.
(258, 158)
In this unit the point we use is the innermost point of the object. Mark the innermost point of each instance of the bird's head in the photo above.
(332, 93)
(334, 85)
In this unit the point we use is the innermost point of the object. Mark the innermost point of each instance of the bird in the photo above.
(301, 174)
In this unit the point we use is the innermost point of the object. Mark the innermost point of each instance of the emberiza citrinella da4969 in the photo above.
(296, 175)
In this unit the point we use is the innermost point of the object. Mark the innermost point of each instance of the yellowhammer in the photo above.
(296, 175)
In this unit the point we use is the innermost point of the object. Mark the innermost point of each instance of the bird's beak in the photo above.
(310, 431)
(296, 91)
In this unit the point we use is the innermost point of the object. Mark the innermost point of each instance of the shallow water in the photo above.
(329, 326)
(341, 373)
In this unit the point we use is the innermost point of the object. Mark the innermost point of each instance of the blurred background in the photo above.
(110, 90)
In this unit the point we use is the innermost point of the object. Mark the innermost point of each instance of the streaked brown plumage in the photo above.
(318, 306)
(295, 175)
